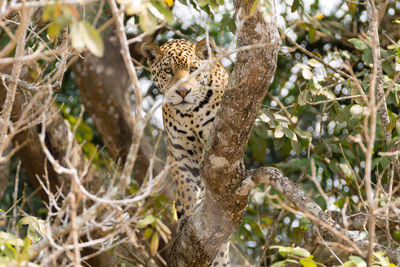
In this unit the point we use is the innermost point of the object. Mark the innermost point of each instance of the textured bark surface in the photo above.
(218, 215)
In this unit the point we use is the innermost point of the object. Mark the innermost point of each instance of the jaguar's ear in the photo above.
(151, 52)
(202, 48)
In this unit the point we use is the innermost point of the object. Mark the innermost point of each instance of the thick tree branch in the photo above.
(324, 226)
(216, 218)
(377, 79)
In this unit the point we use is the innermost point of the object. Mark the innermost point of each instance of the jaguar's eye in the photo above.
(193, 69)
(168, 70)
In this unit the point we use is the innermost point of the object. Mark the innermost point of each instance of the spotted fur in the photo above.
(191, 100)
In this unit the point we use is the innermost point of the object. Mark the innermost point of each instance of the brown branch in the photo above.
(214, 220)
(329, 229)
(16, 71)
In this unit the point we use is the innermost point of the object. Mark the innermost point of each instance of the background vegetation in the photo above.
(315, 126)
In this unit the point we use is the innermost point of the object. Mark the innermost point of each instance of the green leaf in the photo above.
(321, 202)
(392, 124)
(148, 219)
(163, 227)
(396, 235)
(339, 203)
(90, 149)
(357, 110)
(296, 146)
(359, 262)
(147, 233)
(307, 263)
(380, 256)
(154, 243)
(258, 146)
(147, 21)
(307, 74)
(278, 133)
(49, 13)
(76, 37)
(256, 229)
(295, 6)
(303, 134)
(289, 133)
(303, 97)
(358, 44)
(314, 63)
(367, 57)
(285, 250)
(202, 2)
(298, 251)
(232, 26)
(165, 11)
(298, 233)
(254, 7)
(92, 39)
(7, 238)
(36, 227)
(352, 6)
(54, 30)
(279, 264)
(311, 34)
(224, 22)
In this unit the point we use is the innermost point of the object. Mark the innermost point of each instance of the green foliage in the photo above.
(294, 255)
(316, 126)
(83, 34)
(15, 251)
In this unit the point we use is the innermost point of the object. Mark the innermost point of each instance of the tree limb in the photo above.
(217, 216)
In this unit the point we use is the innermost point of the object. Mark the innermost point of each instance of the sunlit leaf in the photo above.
(352, 6)
(300, 252)
(202, 2)
(147, 233)
(92, 39)
(307, 263)
(148, 219)
(154, 243)
(147, 21)
(163, 227)
(307, 74)
(397, 20)
(49, 13)
(314, 63)
(345, 169)
(357, 110)
(76, 37)
(278, 133)
(165, 11)
(254, 7)
(360, 45)
(54, 30)
(279, 264)
(289, 133)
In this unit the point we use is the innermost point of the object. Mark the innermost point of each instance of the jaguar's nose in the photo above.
(183, 92)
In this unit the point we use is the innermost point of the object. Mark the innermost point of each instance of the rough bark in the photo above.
(4, 174)
(218, 215)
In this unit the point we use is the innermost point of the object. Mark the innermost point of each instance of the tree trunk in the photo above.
(217, 217)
